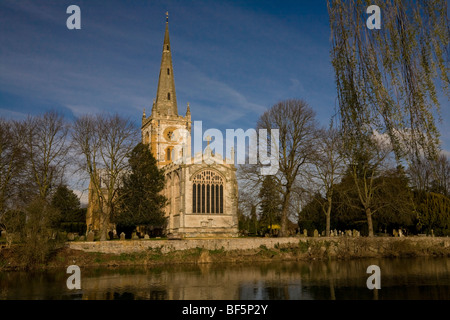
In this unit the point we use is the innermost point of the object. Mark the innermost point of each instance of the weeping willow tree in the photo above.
(388, 79)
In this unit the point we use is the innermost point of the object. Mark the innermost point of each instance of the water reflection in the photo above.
(400, 279)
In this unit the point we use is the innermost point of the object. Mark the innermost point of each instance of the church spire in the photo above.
(166, 99)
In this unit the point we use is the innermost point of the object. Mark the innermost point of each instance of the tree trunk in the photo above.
(369, 221)
(103, 230)
(328, 214)
(284, 213)
(104, 224)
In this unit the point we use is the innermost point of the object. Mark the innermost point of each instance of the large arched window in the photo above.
(207, 192)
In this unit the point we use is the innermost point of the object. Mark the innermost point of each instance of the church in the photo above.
(202, 191)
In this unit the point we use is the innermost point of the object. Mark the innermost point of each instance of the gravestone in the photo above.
(354, 233)
(3, 234)
(146, 237)
(90, 236)
(348, 233)
(134, 236)
(316, 233)
(400, 233)
(122, 236)
(82, 238)
(305, 232)
(395, 233)
(70, 236)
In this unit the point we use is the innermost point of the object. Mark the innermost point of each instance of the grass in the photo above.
(97, 256)
(266, 252)
(217, 251)
(303, 246)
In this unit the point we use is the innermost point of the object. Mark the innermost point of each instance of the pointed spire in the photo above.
(166, 99)
(188, 110)
(166, 35)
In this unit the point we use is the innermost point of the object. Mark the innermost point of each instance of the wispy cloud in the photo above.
(219, 101)
(10, 114)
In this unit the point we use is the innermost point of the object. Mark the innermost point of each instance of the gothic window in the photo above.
(194, 196)
(203, 198)
(207, 195)
(168, 96)
(169, 154)
(199, 207)
(167, 47)
(168, 71)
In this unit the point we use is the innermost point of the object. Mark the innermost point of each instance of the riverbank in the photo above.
(159, 252)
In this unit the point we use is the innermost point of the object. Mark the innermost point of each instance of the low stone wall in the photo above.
(129, 246)
(333, 246)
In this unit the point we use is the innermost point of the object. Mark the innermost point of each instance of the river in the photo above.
(406, 279)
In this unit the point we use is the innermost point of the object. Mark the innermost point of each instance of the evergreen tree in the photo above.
(253, 227)
(72, 218)
(311, 217)
(270, 204)
(67, 202)
(433, 210)
(140, 202)
(394, 201)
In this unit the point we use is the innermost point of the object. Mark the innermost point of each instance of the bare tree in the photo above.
(367, 161)
(296, 123)
(103, 143)
(420, 174)
(12, 162)
(46, 148)
(441, 172)
(11, 159)
(431, 174)
(37, 161)
(328, 167)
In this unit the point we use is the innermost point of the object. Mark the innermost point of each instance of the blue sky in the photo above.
(232, 59)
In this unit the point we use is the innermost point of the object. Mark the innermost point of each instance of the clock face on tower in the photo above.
(169, 134)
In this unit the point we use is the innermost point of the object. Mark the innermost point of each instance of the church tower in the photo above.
(165, 131)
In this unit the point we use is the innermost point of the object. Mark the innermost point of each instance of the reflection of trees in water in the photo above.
(261, 290)
(422, 278)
